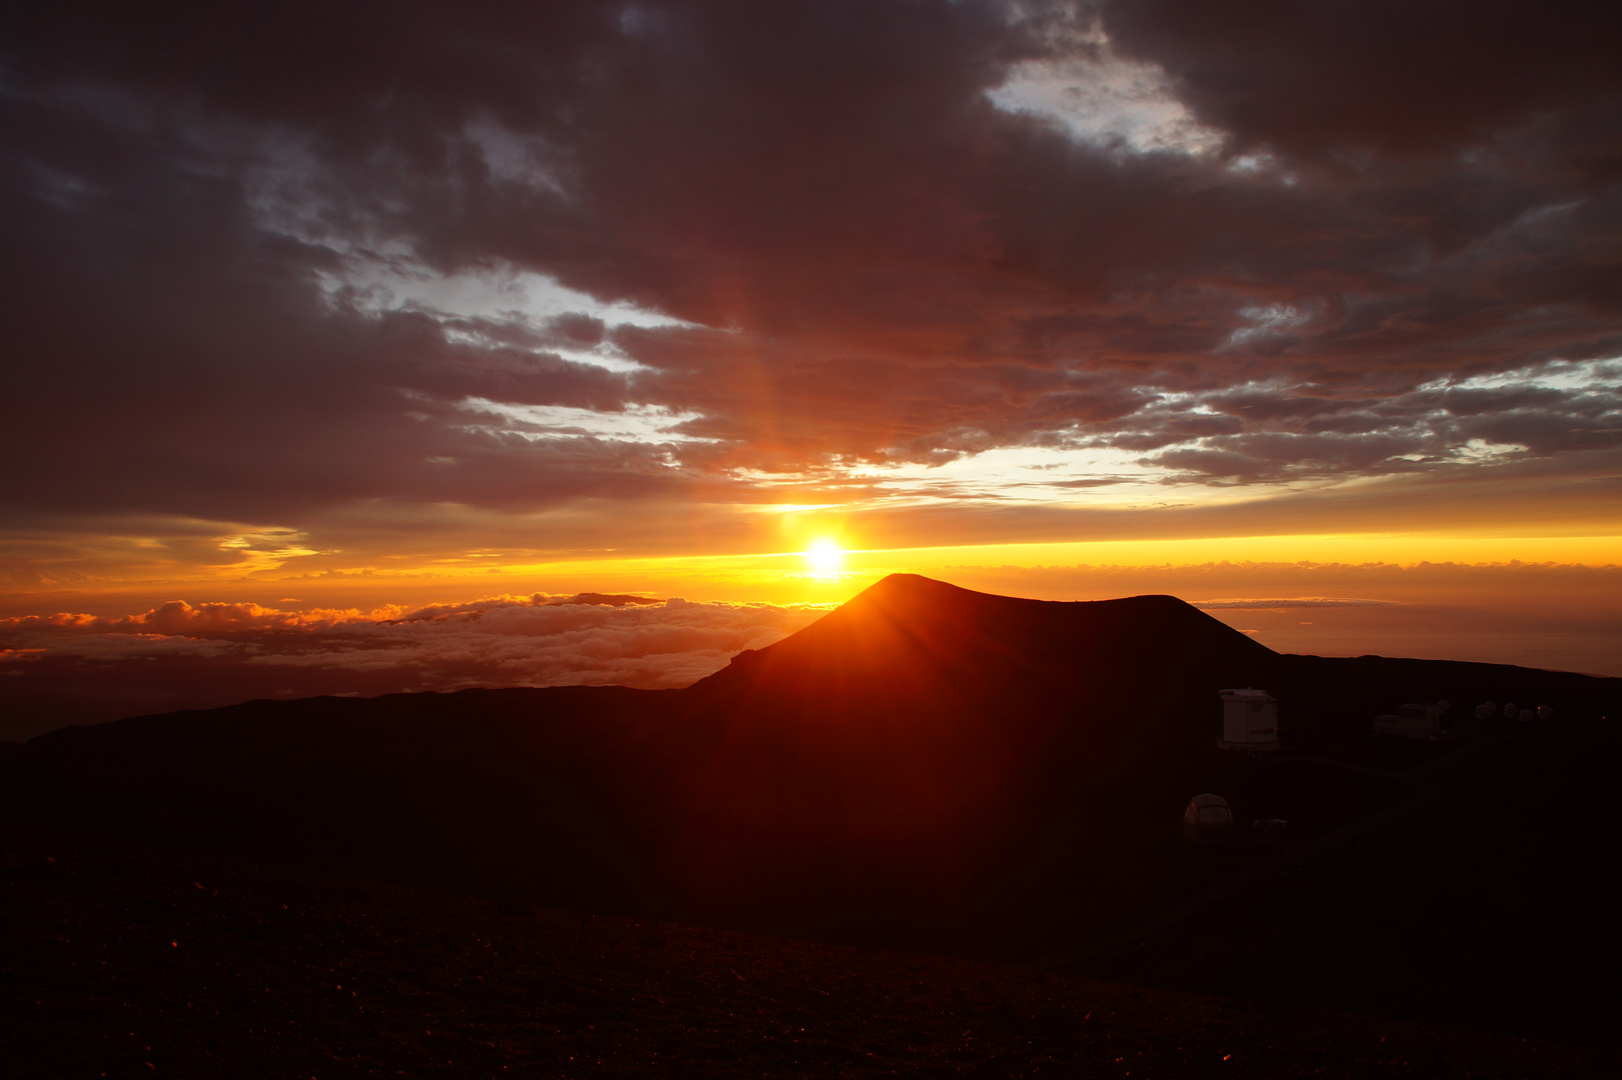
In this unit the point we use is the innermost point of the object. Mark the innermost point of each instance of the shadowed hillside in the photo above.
(928, 696)
(926, 768)
(909, 641)
(873, 769)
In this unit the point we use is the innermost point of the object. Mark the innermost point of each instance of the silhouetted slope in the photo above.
(886, 754)
(910, 642)
(860, 779)
(926, 767)
(481, 788)
(929, 694)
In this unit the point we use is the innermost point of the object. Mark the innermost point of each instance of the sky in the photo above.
(334, 314)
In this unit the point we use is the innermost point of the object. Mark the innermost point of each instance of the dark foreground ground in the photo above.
(1491, 906)
(123, 961)
(376, 887)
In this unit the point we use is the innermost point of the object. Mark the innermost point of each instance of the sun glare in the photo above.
(825, 556)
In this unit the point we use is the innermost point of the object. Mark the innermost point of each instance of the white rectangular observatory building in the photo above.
(1249, 720)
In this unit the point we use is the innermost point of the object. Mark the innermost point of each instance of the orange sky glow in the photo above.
(350, 384)
(1544, 601)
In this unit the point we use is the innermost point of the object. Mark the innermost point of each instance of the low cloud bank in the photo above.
(70, 668)
(1297, 602)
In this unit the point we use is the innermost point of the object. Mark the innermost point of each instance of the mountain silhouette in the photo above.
(911, 645)
(925, 767)
(893, 745)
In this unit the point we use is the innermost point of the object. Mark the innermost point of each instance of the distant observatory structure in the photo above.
(1488, 710)
(1207, 820)
(1413, 720)
(1249, 720)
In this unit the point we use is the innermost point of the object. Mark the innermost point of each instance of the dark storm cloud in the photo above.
(1391, 76)
(868, 259)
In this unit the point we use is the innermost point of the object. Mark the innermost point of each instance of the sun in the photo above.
(825, 556)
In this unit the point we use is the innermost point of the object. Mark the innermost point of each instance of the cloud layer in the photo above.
(78, 668)
(290, 274)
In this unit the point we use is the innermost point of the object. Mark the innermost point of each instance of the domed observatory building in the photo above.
(1208, 820)
(1249, 720)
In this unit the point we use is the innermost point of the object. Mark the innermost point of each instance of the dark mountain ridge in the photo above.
(886, 753)
(912, 663)
(926, 767)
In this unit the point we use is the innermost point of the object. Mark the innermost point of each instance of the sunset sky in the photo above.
(322, 314)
